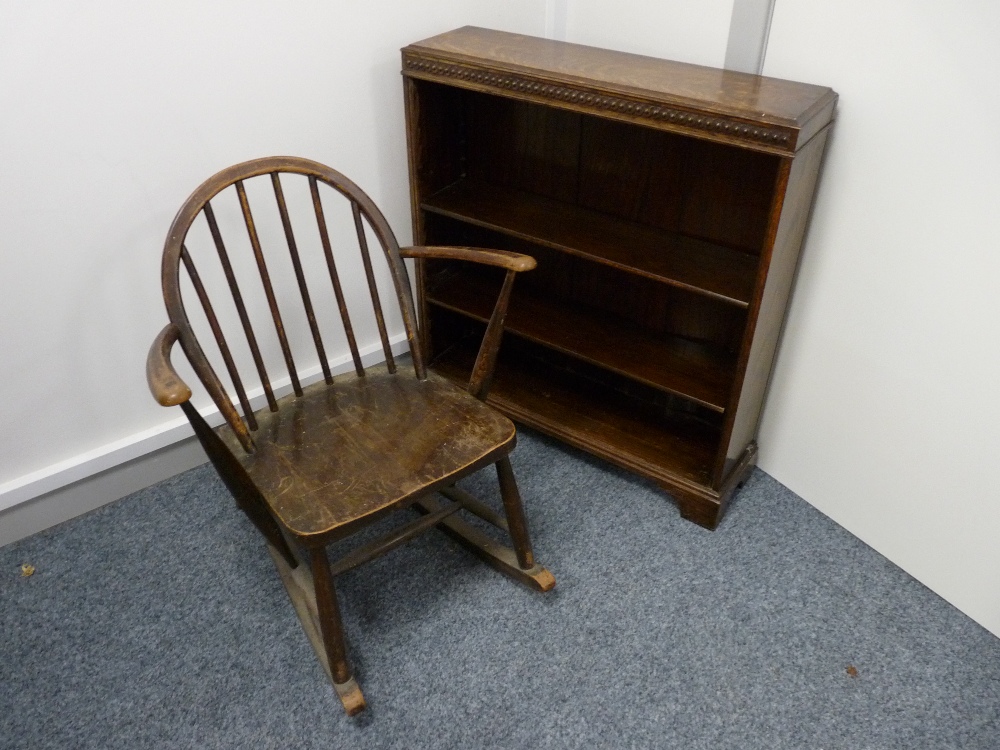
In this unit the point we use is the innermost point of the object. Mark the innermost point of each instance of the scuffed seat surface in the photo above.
(362, 445)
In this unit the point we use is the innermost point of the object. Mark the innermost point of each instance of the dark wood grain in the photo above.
(727, 195)
(686, 368)
(327, 460)
(521, 146)
(265, 280)
(572, 280)
(664, 205)
(331, 266)
(513, 263)
(332, 628)
(692, 264)
(790, 225)
(509, 261)
(293, 252)
(333, 457)
(593, 418)
(366, 261)
(234, 290)
(220, 338)
(708, 102)
(167, 387)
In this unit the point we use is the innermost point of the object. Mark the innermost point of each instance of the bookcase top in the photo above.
(764, 113)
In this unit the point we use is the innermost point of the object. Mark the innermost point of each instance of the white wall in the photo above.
(884, 410)
(693, 31)
(114, 111)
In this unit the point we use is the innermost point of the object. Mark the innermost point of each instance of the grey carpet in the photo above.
(158, 621)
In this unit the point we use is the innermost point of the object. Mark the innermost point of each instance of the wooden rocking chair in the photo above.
(322, 462)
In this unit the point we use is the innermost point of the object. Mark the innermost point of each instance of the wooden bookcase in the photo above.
(665, 204)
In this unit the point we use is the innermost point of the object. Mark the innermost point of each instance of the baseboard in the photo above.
(55, 507)
(70, 488)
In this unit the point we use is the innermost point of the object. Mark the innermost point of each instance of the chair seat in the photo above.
(364, 445)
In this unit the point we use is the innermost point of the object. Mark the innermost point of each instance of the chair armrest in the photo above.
(512, 263)
(505, 259)
(164, 382)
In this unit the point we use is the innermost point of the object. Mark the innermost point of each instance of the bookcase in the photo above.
(665, 203)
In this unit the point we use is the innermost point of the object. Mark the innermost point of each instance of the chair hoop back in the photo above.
(176, 256)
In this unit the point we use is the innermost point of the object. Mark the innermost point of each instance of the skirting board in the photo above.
(42, 512)
(71, 488)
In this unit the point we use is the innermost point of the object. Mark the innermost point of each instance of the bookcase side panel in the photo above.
(436, 137)
(768, 319)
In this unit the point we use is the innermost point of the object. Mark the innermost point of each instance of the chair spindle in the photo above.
(293, 251)
(265, 278)
(227, 267)
(334, 276)
(220, 338)
(370, 273)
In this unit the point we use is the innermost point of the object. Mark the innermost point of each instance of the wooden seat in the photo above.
(328, 458)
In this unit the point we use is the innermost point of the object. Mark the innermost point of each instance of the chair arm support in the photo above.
(164, 382)
(512, 263)
(505, 259)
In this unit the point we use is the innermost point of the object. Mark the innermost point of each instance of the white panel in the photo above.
(555, 19)
(694, 31)
(123, 108)
(748, 32)
(883, 411)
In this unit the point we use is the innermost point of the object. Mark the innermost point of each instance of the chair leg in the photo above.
(333, 634)
(519, 562)
(515, 514)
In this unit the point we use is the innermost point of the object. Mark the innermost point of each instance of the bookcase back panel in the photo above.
(523, 146)
(697, 188)
(727, 193)
(439, 148)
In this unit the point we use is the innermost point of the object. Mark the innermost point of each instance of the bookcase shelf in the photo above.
(659, 443)
(684, 368)
(671, 258)
(665, 205)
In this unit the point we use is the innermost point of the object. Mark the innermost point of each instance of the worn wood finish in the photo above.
(499, 556)
(165, 384)
(330, 458)
(517, 523)
(751, 111)
(665, 205)
(340, 457)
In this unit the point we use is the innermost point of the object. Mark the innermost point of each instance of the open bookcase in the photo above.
(665, 204)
